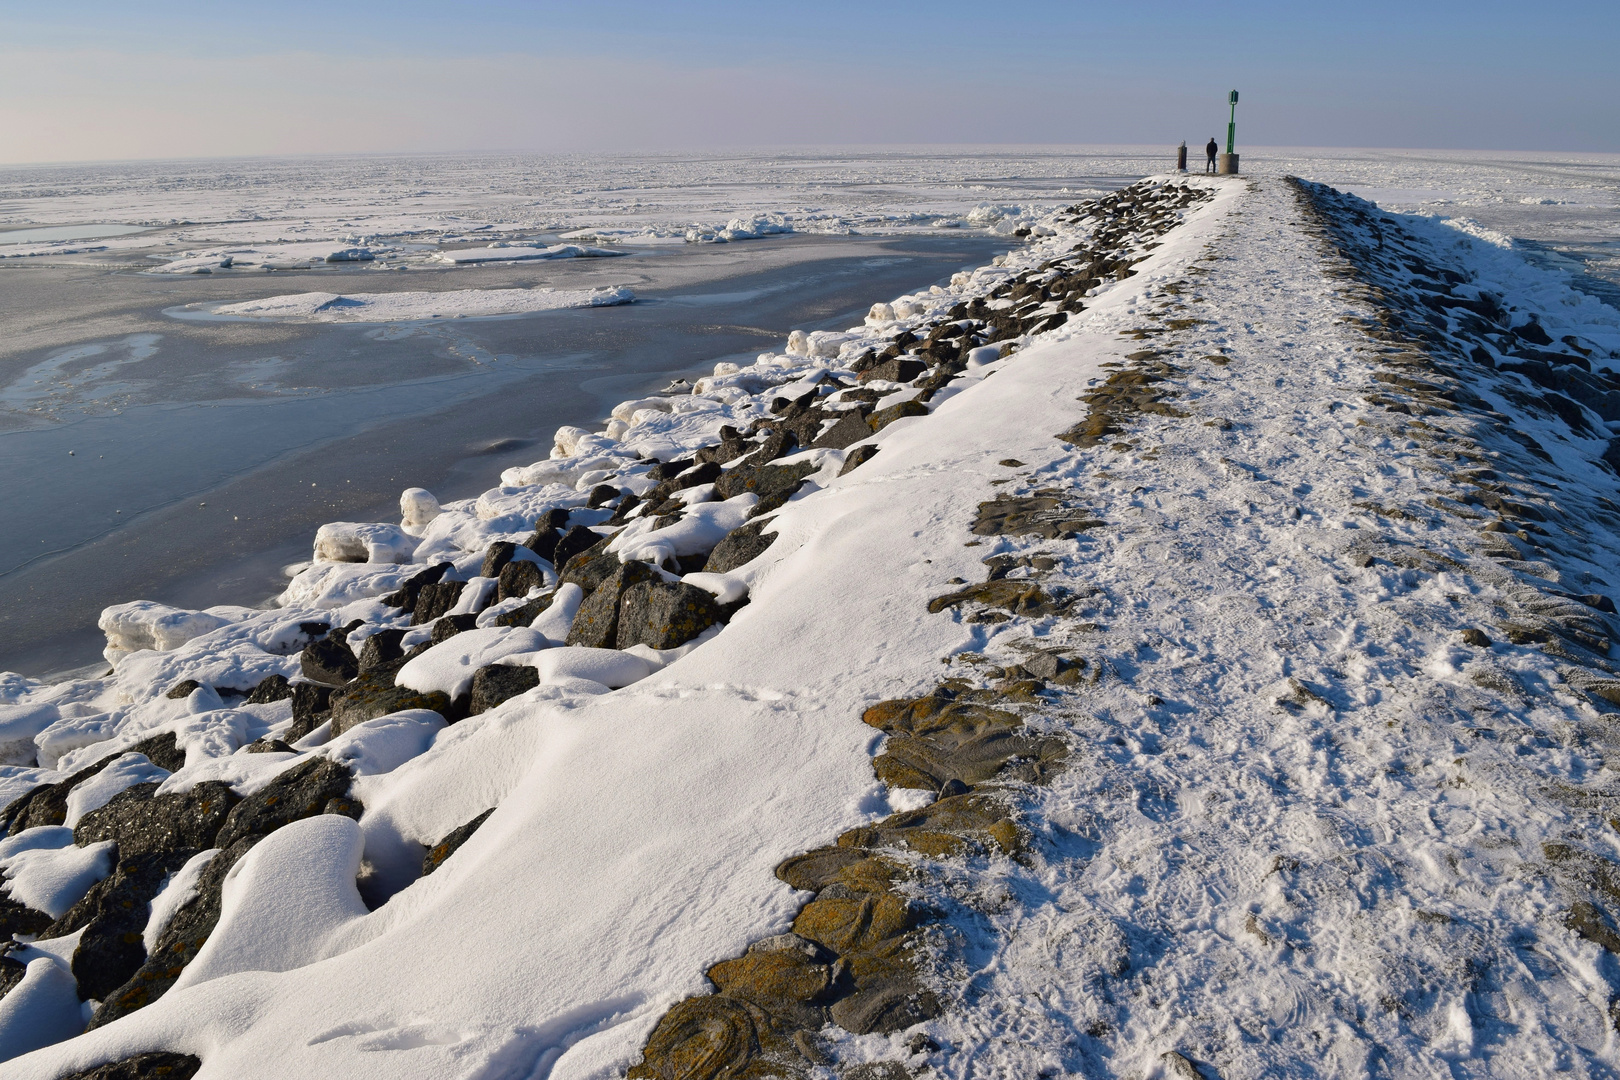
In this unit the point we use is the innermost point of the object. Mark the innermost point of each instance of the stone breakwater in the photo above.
(627, 548)
(1277, 685)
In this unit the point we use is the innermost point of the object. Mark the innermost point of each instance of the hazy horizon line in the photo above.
(739, 149)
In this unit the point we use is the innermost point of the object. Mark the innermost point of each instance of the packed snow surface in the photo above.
(1306, 827)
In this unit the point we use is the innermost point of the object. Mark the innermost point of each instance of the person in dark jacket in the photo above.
(1210, 151)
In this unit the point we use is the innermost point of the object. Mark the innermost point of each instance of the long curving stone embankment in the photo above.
(1180, 650)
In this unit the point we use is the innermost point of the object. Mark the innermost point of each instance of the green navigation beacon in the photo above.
(1229, 161)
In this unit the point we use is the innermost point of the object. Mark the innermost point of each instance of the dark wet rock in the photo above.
(901, 369)
(884, 417)
(888, 1006)
(730, 449)
(113, 915)
(555, 518)
(851, 429)
(374, 694)
(597, 623)
(600, 495)
(787, 977)
(142, 822)
(703, 473)
(161, 750)
(498, 682)
(1475, 637)
(179, 942)
(574, 541)
(311, 707)
(438, 853)
(157, 1065)
(269, 746)
(525, 615)
(12, 970)
(590, 573)
(344, 806)
(774, 484)
(47, 804)
(709, 1038)
(499, 554)
(1044, 515)
(1020, 596)
(383, 647)
(817, 869)
(408, 592)
(664, 614)
(328, 662)
(942, 829)
(859, 456)
(939, 738)
(270, 688)
(448, 626)
(1533, 332)
(519, 579)
(669, 470)
(300, 792)
(1052, 667)
(622, 514)
(740, 546)
(544, 543)
(436, 599)
(777, 444)
(1596, 601)
(1588, 920)
(183, 689)
(19, 918)
(953, 787)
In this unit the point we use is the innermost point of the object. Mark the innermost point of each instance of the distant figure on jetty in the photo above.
(1181, 156)
(1210, 151)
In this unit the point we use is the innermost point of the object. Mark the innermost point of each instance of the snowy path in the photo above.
(1303, 832)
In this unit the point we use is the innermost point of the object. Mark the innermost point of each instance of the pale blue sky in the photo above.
(85, 79)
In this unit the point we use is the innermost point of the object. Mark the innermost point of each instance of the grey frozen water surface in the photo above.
(67, 232)
(148, 456)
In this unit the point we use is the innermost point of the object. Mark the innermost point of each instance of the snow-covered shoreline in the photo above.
(637, 830)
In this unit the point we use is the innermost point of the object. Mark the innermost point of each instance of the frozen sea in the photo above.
(153, 448)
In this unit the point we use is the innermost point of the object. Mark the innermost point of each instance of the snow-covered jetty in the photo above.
(1180, 649)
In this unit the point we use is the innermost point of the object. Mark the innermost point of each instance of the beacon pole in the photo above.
(1228, 165)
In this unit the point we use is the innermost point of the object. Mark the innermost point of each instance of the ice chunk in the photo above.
(626, 410)
(18, 726)
(417, 507)
(145, 624)
(389, 307)
(333, 585)
(363, 542)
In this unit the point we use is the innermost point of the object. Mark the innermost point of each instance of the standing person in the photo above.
(1210, 151)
